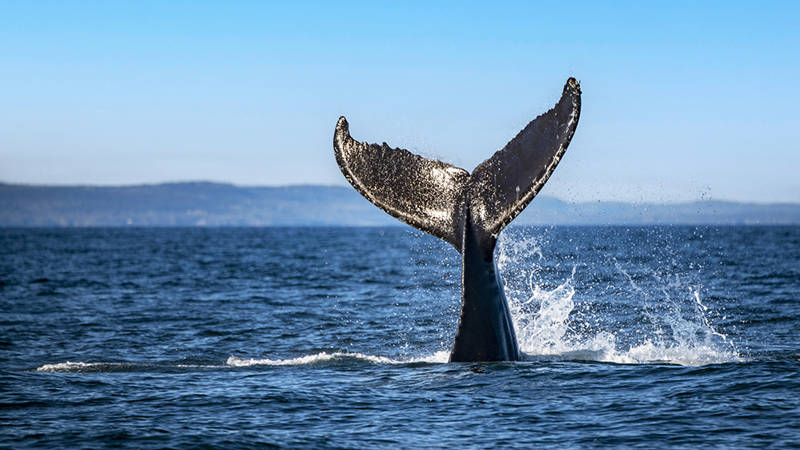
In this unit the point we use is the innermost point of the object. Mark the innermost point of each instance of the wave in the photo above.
(438, 357)
(648, 353)
(69, 366)
(100, 366)
(235, 361)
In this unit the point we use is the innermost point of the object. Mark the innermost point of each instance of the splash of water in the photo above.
(546, 322)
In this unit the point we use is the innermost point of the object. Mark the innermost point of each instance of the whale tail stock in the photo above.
(434, 196)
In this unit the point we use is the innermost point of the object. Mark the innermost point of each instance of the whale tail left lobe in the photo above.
(432, 195)
(424, 193)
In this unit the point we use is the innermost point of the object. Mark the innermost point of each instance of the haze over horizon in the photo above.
(680, 102)
(348, 187)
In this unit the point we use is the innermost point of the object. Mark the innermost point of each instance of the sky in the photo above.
(681, 100)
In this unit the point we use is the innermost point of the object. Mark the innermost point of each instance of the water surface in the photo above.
(314, 337)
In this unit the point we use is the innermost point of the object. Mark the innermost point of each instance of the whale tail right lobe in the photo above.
(433, 196)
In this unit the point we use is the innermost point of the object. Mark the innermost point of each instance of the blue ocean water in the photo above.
(339, 337)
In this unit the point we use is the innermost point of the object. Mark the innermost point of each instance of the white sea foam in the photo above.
(80, 366)
(69, 366)
(544, 319)
(235, 361)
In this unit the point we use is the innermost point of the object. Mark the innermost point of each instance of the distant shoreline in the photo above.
(208, 204)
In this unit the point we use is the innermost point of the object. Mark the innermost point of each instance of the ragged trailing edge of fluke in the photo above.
(428, 194)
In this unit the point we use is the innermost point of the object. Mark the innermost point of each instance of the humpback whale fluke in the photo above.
(467, 210)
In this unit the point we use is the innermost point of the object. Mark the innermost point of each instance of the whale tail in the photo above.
(434, 196)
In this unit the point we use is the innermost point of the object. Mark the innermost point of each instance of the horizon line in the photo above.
(276, 186)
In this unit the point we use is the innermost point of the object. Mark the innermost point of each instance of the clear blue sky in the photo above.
(681, 101)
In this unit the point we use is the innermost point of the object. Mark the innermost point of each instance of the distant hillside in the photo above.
(215, 204)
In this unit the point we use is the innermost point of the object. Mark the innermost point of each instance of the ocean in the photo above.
(303, 337)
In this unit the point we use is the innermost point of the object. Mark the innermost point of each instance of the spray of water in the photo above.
(662, 329)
